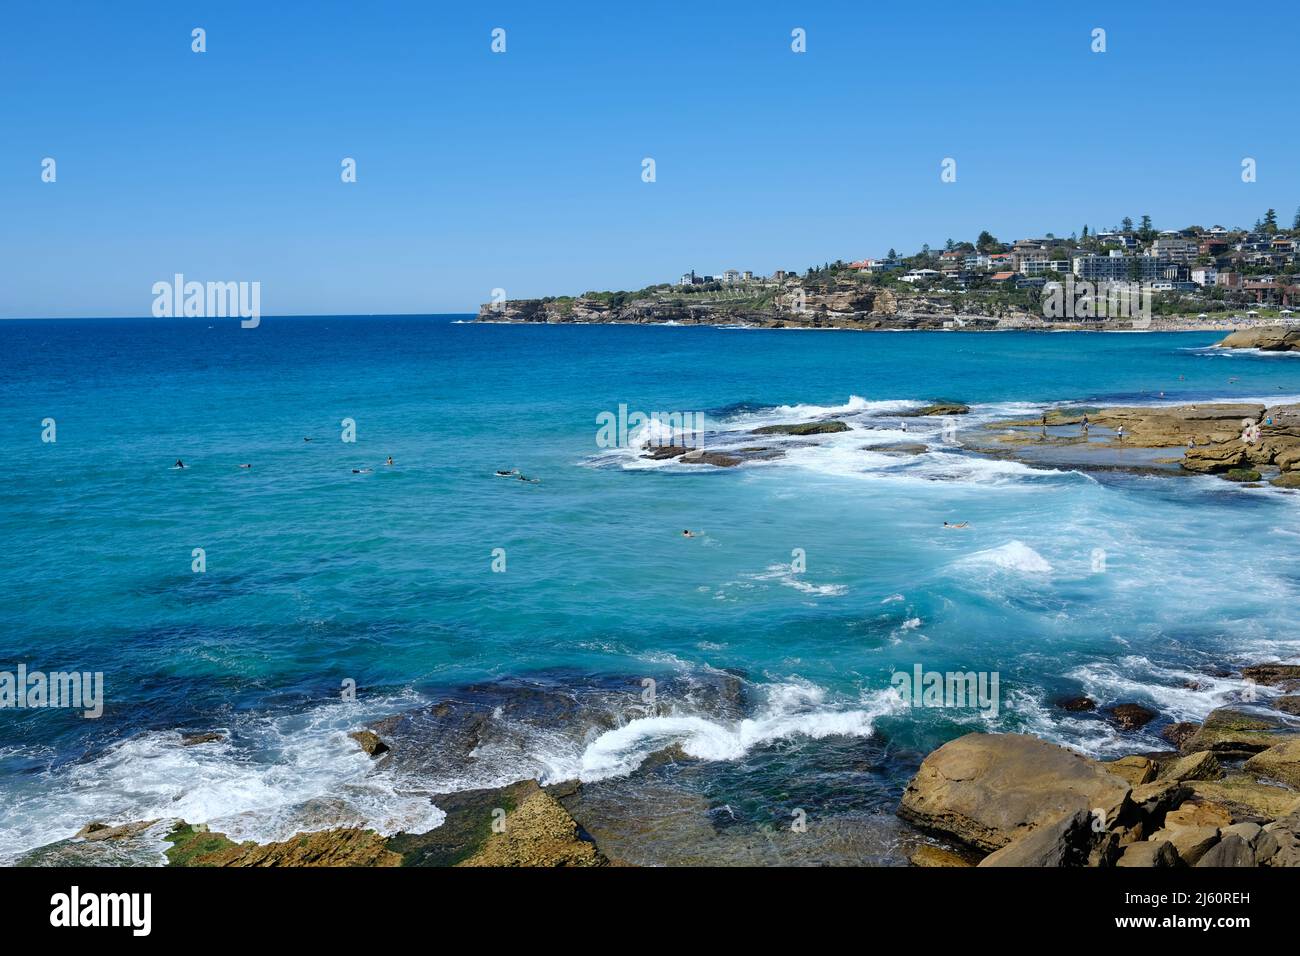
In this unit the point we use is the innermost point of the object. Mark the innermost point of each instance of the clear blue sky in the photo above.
(523, 170)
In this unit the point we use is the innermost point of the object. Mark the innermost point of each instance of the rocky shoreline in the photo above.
(1242, 442)
(848, 308)
(1226, 793)
(1228, 797)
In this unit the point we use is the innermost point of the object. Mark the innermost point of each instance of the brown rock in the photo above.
(370, 742)
(1130, 716)
(96, 830)
(1198, 766)
(1198, 814)
(538, 832)
(988, 789)
(1245, 797)
(929, 855)
(1232, 850)
(1153, 853)
(1177, 734)
(1136, 770)
(1288, 704)
(1279, 762)
(1272, 675)
(206, 737)
(1239, 729)
(1076, 704)
(1191, 843)
(1066, 842)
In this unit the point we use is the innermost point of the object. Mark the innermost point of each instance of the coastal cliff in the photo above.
(840, 305)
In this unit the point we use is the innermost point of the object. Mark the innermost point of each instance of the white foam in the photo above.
(793, 710)
(1012, 556)
(270, 778)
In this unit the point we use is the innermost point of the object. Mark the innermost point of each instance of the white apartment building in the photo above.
(1174, 249)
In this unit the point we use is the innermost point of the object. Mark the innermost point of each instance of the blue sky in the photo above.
(523, 170)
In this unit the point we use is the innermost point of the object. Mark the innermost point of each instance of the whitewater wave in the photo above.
(269, 778)
(793, 710)
(1012, 556)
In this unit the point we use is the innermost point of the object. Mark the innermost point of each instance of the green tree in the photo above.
(987, 242)
(1127, 224)
(1295, 226)
(1270, 221)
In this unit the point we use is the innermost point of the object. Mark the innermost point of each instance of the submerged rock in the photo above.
(205, 737)
(827, 427)
(96, 830)
(1131, 716)
(938, 408)
(1272, 675)
(929, 855)
(1076, 704)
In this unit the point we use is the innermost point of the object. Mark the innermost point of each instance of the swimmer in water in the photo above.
(362, 471)
(688, 533)
(245, 466)
(506, 474)
(306, 438)
(958, 526)
(522, 477)
(390, 460)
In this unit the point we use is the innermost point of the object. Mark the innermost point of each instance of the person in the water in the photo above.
(688, 533)
(362, 471)
(959, 525)
(522, 477)
(179, 463)
(502, 473)
(390, 460)
(245, 466)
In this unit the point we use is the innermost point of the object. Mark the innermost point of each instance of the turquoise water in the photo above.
(316, 574)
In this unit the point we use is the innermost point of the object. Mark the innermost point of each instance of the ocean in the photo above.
(571, 610)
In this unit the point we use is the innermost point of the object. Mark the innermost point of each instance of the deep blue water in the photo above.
(316, 575)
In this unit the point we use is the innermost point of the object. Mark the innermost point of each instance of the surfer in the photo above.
(245, 466)
(179, 463)
(958, 526)
(362, 471)
(502, 473)
(390, 461)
